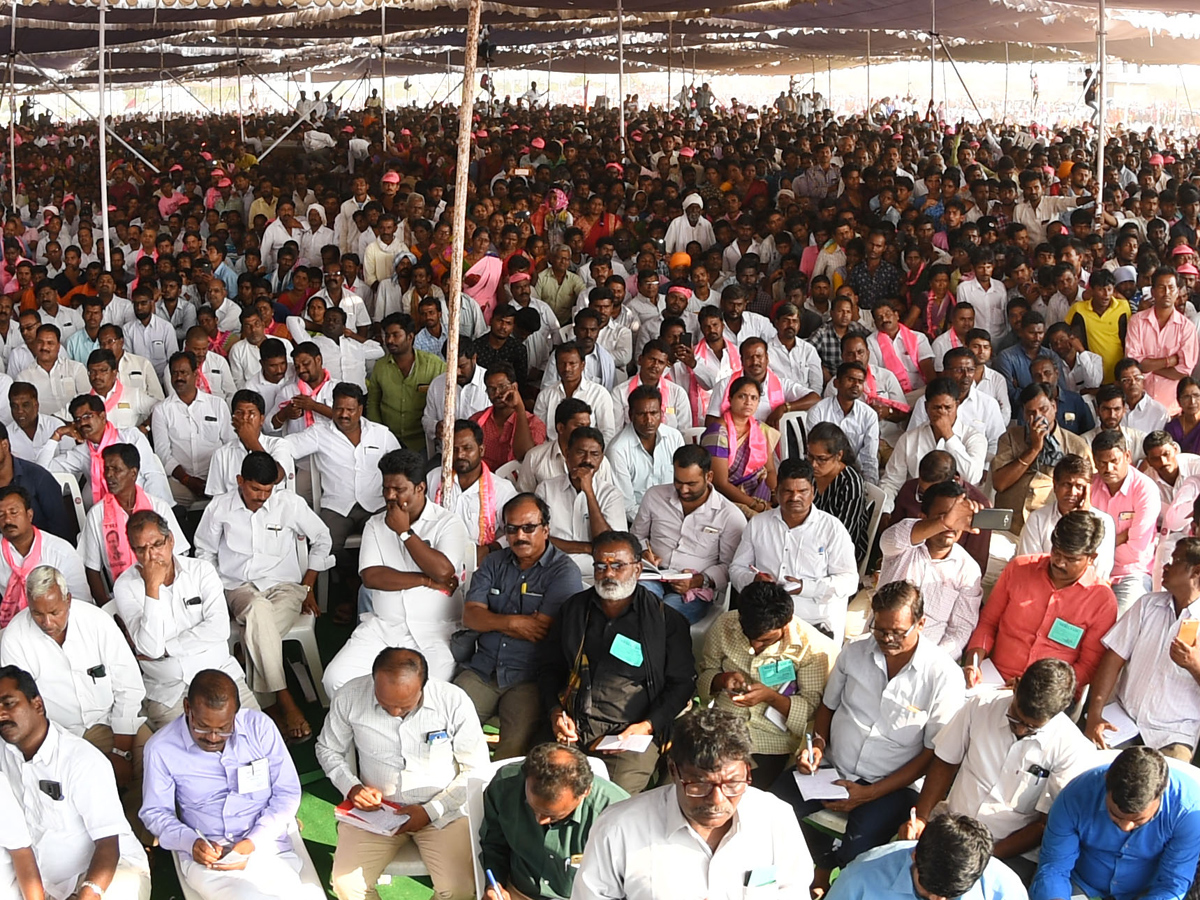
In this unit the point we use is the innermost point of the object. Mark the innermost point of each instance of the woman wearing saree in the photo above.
(601, 224)
(1183, 427)
(939, 302)
(482, 269)
(743, 450)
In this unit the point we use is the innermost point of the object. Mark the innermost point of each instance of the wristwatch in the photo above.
(96, 889)
(126, 755)
(404, 535)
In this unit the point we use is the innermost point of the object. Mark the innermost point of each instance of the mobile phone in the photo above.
(685, 339)
(992, 519)
(1187, 631)
(524, 173)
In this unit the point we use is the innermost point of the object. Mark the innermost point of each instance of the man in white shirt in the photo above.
(247, 422)
(962, 322)
(1003, 758)
(654, 362)
(347, 454)
(858, 422)
(57, 379)
(477, 496)
(150, 336)
(226, 311)
(133, 370)
(573, 381)
(245, 361)
(895, 347)
(1110, 413)
(987, 295)
(976, 409)
(471, 394)
(791, 358)
(24, 547)
(175, 614)
(1072, 490)
(582, 506)
(884, 704)
(52, 312)
(274, 382)
(779, 396)
(346, 354)
(926, 552)
(1169, 468)
(944, 431)
(30, 432)
(641, 454)
(1142, 412)
(1151, 665)
(549, 459)
(411, 561)
(689, 527)
(251, 535)
(89, 680)
(87, 436)
(188, 427)
(416, 741)
(704, 834)
(803, 548)
(127, 405)
(84, 847)
(212, 375)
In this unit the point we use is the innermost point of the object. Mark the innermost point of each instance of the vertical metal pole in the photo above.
(12, 105)
(670, 34)
(241, 121)
(383, 71)
(868, 73)
(549, 72)
(1004, 114)
(932, 50)
(621, 73)
(106, 259)
(828, 82)
(462, 162)
(1101, 103)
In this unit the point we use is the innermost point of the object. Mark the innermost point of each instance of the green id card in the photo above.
(626, 650)
(777, 672)
(1063, 632)
(760, 877)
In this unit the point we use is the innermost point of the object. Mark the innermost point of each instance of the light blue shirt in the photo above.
(225, 272)
(635, 471)
(885, 873)
(205, 786)
(80, 346)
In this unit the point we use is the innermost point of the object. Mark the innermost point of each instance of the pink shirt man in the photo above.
(1145, 340)
(1134, 508)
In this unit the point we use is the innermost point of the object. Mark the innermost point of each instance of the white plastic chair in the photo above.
(353, 542)
(791, 429)
(693, 435)
(308, 872)
(70, 485)
(720, 605)
(509, 470)
(874, 495)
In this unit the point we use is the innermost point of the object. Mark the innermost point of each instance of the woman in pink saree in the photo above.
(482, 275)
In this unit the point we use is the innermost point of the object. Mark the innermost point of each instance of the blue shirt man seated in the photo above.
(1131, 829)
(952, 858)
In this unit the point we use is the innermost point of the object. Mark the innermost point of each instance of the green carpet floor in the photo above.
(316, 807)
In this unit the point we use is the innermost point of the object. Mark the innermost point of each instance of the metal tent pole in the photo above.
(462, 163)
(383, 72)
(1004, 114)
(241, 121)
(549, 72)
(670, 35)
(106, 259)
(621, 75)
(12, 105)
(1101, 103)
(868, 73)
(932, 51)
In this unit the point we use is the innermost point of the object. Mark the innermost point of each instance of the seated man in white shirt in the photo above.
(1110, 413)
(804, 549)
(188, 427)
(433, 741)
(24, 547)
(925, 552)
(30, 431)
(641, 454)
(1142, 411)
(779, 395)
(133, 370)
(689, 527)
(984, 757)
(90, 683)
(549, 459)
(944, 431)
(103, 544)
(150, 336)
(896, 347)
(792, 357)
(212, 373)
(222, 793)
(244, 357)
(582, 506)
(885, 702)
(249, 414)
(471, 394)
(56, 377)
(1073, 476)
(84, 847)
(573, 381)
(735, 831)
(858, 422)
(175, 614)
(962, 321)
(127, 406)
(976, 408)
(275, 381)
(411, 561)
(987, 379)
(653, 364)
(1085, 369)
(1151, 665)
(251, 535)
(1166, 465)
(477, 496)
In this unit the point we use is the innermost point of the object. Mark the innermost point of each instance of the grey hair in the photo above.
(41, 579)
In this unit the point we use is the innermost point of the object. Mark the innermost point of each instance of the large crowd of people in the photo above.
(723, 382)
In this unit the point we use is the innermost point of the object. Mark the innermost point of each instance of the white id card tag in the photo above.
(254, 777)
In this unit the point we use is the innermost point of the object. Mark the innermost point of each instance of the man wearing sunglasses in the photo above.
(707, 834)
(514, 596)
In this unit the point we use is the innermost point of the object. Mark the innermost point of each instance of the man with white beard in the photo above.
(620, 628)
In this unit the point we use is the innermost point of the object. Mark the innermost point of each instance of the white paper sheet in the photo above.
(379, 821)
(775, 717)
(1126, 727)
(992, 680)
(820, 785)
(637, 743)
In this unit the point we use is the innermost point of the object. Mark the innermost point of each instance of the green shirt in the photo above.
(398, 401)
(538, 860)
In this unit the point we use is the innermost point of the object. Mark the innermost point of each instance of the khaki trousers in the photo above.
(519, 705)
(265, 617)
(101, 737)
(361, 857)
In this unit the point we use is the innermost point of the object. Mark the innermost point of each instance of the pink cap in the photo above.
(482, 133)
(204, 154)
(1156, 159)
(518, 277)
(537, 143)
(405, 132)
(1187, 269)
(224, 182)
(680, 289)
(637, 136)
(1168, 160)
(175, 168)
(348, 129)
(391, 178)
(687, 152)
(1182, 250)
(616, 167)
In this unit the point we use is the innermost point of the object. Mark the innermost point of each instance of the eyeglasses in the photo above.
(896, 636)
(1021, 725)
(698, 789)
(523, 529)
(615, 567)
(153, 545)
(818, 458)
(207, 732)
